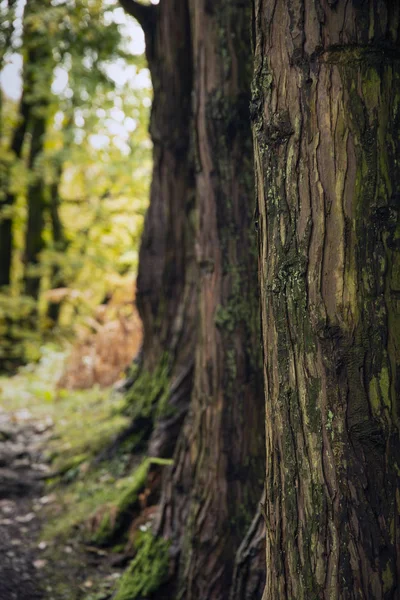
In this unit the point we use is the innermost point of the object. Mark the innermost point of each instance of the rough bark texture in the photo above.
(325, 106)
(248, 579)
(166, 288)
(210, 496)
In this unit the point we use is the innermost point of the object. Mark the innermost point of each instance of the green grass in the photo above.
(83, 422)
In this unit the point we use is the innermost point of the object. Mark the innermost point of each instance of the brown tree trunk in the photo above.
(166, 284)
(37, 84)
(211, 495)
(199, 55)
(36, 201)
(59, 240)
(327, 129)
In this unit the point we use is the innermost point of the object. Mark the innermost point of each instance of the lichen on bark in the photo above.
(326, 135)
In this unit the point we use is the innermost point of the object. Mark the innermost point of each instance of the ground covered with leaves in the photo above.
(76, 508)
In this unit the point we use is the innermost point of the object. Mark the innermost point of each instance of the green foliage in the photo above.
(148, 570)
(94, 162)
(20, 342)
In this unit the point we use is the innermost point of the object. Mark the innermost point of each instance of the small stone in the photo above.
(16, 542)
(88, 583)
(23, 414)
(47, 499)
(40, 467)
(26, 518)
(42, 546)
(8, 508)
(23, 463)
(40, 563)
(42, 427)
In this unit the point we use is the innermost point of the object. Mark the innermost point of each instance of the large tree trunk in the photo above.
(166, 284)
(211, 495)
(327, 129)
(202, 199)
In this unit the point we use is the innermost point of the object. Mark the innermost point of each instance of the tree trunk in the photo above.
(36, 201)
(199, 56)
(211, 495)
(7, 13)
(166, 284)
(326, 125)
(7, 197)
(37, 85)
(59, 241)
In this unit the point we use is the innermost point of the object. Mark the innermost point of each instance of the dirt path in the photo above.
(21, 502)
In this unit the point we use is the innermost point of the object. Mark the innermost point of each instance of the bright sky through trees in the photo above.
(118, 71)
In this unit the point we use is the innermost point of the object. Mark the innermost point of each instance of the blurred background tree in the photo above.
(74, 165)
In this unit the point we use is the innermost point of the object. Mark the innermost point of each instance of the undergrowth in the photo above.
(94, 501)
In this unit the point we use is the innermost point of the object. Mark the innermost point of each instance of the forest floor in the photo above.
(54, 495)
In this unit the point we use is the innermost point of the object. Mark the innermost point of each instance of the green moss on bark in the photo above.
(149, 393)
(148, 570)
(116, 514)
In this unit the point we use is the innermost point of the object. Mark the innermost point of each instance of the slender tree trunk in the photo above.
(210, 497)
(59, 240)
(7, 13)
(36, 201)
(7, 197)
(326, 118)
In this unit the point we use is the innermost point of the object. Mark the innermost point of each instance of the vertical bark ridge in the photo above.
(215, 484)
(166, 288)
(326, 131)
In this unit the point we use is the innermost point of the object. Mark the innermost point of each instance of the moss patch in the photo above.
(149, 394)
(113, 515)
(147, 571)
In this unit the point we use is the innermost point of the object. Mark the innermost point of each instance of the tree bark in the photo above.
(199, 240)
(326, 129)
(166, 283)
(211, 494)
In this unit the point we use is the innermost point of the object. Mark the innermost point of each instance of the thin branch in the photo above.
(143, 13)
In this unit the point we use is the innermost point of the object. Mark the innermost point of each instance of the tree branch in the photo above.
(144, 14)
